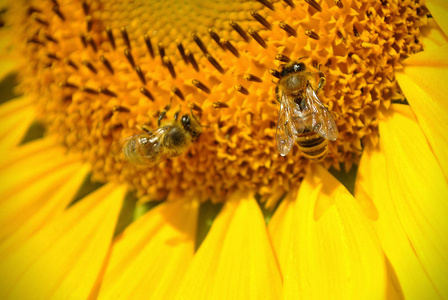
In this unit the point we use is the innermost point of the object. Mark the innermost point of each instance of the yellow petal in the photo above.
(439, 10)
(433, 37)
(15, 117)
(424, 84)
(334, 252)
(42, 202)
(236, 260)
(8, 65)
(418, 191)
(9, 61)
(281, 230)
(26, 152)
(150, 258)
(35, 186)
(62, 261)
(372, 188)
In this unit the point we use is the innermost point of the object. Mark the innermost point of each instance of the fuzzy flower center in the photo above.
(101, 70)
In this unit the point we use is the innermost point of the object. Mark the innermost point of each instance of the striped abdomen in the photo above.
(312, 145)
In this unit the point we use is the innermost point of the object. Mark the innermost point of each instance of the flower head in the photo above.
(99, 74)
(99, 70)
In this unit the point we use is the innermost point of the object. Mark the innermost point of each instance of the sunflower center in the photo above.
(103, 72)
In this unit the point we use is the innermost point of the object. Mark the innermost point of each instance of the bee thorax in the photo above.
(175, 138)
(292, 83)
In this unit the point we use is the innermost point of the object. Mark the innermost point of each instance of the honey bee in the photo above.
(153, 146)
(303, 117)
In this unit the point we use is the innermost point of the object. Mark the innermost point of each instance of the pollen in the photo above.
(99, 71)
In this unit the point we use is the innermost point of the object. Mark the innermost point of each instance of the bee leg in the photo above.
(176, 115)
(163, 113)
(160, 118)
(321, 81)
(145, 127)
(277, 96)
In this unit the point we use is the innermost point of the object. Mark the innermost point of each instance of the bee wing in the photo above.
(322, 121)
(118, 146)
(150, 146)
(152, 142)
(283, 136)
(146, 148)
(289, 125)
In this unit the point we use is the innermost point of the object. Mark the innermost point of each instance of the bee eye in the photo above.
(299, 67)
(185, 120)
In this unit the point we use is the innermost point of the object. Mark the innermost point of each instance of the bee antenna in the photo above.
(320, 65)
(192, 114)
(144, 127)
(176, 114)
(303, 57)
(164, 111)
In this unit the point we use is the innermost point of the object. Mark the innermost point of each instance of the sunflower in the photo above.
(229, 218)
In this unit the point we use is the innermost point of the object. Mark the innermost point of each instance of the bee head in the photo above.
(191, 126)
(185, 121)
(292, 67)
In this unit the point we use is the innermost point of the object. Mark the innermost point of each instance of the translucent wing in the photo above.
(143, 149)
(320, 119)
(118, 146)
(283, 136)
(151, 143)
(289, 125)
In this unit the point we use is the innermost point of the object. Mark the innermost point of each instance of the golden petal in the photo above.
(8, 66)
(419, 190)
(42, 203)
(439, 10)
(24, 153)
(281, 230)
(64, 258)
(407, 187)
(15, 118)
(433, 36)
(423, 81)
(149, 260)
(372, 187)
(38, 182)
(334, 252)
(236, 260)
(9, 61)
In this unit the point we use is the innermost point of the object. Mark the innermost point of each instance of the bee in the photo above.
(153, 146)
(303, 117)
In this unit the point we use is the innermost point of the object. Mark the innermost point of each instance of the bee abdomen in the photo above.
(312, 145)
